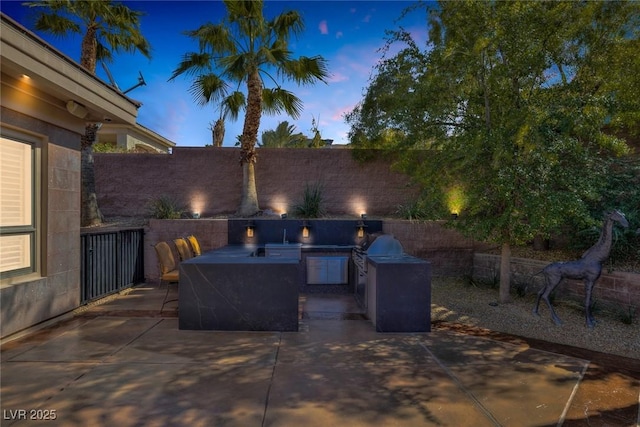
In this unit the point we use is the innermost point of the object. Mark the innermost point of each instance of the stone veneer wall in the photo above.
(617, 289)
(209, 181)
(55, 288)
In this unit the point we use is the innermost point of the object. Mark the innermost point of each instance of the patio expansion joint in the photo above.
(273, 373)
(563, 416)
(461, 386)
(131, 341)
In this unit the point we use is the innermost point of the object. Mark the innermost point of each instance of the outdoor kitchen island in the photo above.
(231, 289)
(256, 287)
(249, 287)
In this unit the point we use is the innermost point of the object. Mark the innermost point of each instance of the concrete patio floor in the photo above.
(122, 363)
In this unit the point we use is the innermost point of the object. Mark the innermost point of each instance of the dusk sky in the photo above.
(348, 34)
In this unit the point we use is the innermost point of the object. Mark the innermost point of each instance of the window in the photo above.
(17, 207)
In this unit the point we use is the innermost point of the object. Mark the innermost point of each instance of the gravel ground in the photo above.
(457, 302)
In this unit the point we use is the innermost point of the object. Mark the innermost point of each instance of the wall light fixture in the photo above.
(305, 229)
(360, 225)
(251, 226)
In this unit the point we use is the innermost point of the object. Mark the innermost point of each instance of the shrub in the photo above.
(165, 207)
(425, 207)
(311, 205)
(627, 316)
(104, 147)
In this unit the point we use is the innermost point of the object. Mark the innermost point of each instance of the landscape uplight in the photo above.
(456, 200)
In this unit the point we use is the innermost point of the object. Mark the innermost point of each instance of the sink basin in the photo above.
(283, 250)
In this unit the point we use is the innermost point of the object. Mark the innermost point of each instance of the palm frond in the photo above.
(103, 53)
(287, 24)
(244, 9)
(57, 25)
(215, 38)
(275, 55)
(278, 100)
(236, 66)
(305, 70)
(208, 88)
(193, 64)
(233, 104)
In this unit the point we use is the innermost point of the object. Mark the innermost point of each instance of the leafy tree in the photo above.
(106, 27)
(510, 99)
(283, 136)
(244, 49)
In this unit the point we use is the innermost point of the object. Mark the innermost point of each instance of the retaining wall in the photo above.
(618, 289)
(450, 253)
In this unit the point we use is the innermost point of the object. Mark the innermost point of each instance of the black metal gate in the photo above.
(111, 261)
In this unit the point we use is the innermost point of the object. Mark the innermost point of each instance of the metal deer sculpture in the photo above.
(587, 268)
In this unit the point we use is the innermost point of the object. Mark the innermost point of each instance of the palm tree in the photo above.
(106, 27)
(217, 131)
(283, 137)
(245, 48)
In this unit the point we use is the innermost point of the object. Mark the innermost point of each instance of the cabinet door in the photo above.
(336, 270)
(316, 271)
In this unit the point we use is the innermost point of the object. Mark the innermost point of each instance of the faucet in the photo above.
(284, 236)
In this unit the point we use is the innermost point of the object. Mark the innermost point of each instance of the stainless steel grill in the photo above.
(382, 245)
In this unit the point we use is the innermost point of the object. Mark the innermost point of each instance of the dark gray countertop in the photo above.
(395, 259)
(236, 254)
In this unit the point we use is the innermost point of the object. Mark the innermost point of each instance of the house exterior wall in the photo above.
(209, 181)
(46, 100)
(128, 137)
(55, 287)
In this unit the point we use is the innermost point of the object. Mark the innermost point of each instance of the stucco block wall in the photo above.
(615, 289)
(450, 253)
(55, 288)
(209, 181)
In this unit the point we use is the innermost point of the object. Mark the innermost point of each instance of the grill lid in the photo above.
(385, 245)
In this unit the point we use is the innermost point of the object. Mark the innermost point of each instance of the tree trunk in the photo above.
(505, 273)
(218, 133)
(90, 214)
(89, 49)
(249, 200)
